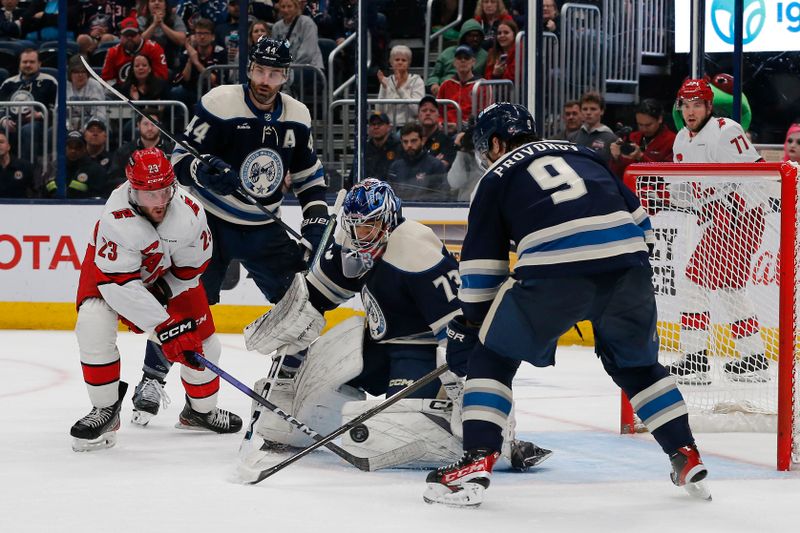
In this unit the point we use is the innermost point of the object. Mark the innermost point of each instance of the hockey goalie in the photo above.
(408, 283)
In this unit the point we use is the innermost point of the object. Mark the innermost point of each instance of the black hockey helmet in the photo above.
(503, 120)
(271, 53)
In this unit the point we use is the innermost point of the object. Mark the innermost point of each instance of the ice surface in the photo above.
(159, 478)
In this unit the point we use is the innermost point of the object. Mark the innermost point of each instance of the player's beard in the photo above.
(264, 95)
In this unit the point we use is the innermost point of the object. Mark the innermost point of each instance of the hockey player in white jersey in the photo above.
(142, 266)
(733, 229)
(408, 283)
(252, 137)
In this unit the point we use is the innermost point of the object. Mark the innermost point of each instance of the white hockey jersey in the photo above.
(131, 254)
(721, 140)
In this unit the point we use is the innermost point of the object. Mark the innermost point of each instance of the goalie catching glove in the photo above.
(179, 341)
(461, 339)
(293, 323)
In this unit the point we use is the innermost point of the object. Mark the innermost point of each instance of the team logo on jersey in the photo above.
(262, 172)
(21, 96)
(376, 322)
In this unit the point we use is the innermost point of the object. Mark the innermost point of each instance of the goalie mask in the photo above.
(502, 120)
(151, 178)
(371, 210)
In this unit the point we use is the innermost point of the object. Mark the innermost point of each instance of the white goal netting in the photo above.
(724, 269)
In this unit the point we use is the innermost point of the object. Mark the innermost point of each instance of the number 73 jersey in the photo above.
(409, 294)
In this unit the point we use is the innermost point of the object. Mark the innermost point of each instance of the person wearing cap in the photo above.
(435, 141)
(81, 87)
(85, 178)
(382, 146)
(96, 136)
(459, 87)
(119, 59)
(444, 69)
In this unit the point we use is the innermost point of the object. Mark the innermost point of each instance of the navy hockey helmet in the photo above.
(371, 210)
(271, 53)
(503, 120)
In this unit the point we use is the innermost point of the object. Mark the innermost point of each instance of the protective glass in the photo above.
(156, 198)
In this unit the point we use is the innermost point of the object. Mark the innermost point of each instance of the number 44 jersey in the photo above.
(409, 294)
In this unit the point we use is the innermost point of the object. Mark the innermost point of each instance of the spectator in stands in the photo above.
(149, 137)
(227, 32)
(791, 146)
(650, 143)
(142, 83)
(96, 136)
(416, 174)
(501, 62)
(301, 32)
(519, 12)
(201, 52)
(435, 141)
(550, 15)
(465, 172)
(40, 20)
(444, 12)
(444, 69)
(164, 27)
(400, 84)
(16, 175)
(95, 26)
(342, 21)
(85, 178)
(119, 58)
(382, 146)
(593, 133)
(193, 10)
(490, 13)
(83, 88)
(257, 30)
(10, 20)
(459, 87)
(572, 119)
(30, 85)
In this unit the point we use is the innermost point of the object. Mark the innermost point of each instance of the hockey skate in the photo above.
(462, 483)
(147, 398)
(692, 370)
(217, 420)
(98, 429)
(688, 471)
(525, 455)
(753, 369)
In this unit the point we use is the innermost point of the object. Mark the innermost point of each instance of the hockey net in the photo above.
(725, 274)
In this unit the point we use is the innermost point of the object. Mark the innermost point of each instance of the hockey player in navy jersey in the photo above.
(582, 246)
(252, 136)
(408, 283)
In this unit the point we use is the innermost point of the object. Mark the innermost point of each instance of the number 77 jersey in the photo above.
(566, 212)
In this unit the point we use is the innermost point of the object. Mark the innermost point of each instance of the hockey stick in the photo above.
(329, 227)
(324, 441)
(404, 454)
(194, 153)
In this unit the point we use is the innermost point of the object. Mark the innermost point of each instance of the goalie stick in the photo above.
(324, 441)
(194, 153)
(404, 454)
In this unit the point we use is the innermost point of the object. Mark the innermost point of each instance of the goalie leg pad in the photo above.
(293, 322)
(409, 420)
(315, 397)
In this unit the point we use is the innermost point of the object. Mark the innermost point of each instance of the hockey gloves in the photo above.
(179, 340)
(312, 229)
(215, 174)
(461, 339)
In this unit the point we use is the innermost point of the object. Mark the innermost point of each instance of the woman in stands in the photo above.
(501, 62)
(400, 84)
(791, 147)
(257, 30)
(162, 26)
(490, 13)
(141, 84)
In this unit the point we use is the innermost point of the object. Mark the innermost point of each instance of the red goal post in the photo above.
(669, 192)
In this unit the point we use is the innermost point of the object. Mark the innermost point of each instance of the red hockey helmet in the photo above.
(151, 177)
(694, 89)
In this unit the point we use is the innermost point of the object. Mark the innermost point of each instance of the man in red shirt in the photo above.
(120, 58)
(651, 142)
(459, 87)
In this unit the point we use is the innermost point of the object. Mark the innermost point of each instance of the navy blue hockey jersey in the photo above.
(566, 212)
(409, 295)
(262, 147)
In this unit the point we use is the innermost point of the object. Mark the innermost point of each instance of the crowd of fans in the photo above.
(158, 50)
